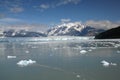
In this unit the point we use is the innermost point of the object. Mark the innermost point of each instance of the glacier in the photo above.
(89, 42)
(42, 39)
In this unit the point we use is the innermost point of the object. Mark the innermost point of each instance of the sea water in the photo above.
(61, 58)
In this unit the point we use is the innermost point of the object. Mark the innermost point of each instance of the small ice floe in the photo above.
(24, 63)
(93, 47)
(90, 50)
(22, 44)
(78, 76)
(56, 48)
(113, 64)
(107, 64)
(11, 57)
(83, 51)
(75, 48)
(33, 47)
(117, 45)
(27, 51)
(51, 55)
(118, 51)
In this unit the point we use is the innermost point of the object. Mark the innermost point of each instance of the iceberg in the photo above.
(24, 63)
(83, 51)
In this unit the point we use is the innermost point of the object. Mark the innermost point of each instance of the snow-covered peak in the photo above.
(65, 28)
(76, 25)
(72, 29)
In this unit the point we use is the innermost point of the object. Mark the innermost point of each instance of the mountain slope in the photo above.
(113, 33)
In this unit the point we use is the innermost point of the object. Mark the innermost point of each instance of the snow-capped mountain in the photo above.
(65, 29)
(73, 29)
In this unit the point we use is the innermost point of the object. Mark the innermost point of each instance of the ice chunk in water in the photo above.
(113, 64)
(10, 57)
(78, 76)
(90, 50)
(105, 63)
(26, 51)
(24, 63)
(118, 51)
(83, 51)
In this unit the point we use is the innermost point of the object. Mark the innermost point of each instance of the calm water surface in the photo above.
(60, 60)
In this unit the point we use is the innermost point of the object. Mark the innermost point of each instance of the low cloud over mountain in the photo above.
(105, 24)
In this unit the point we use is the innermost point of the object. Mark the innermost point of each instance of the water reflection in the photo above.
(60, 60)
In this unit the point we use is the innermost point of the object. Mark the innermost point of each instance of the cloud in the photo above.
(9, 20)
(65, 20)
(14, 6)
(23, 26)
(105, 24)
(16, 9)
(44, 6)
(65, 2)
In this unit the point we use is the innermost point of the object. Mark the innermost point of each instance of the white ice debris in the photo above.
(78, 76)
(113, 64)
(118, 51)
(83, 51)
(11, 57)
(33, 47)
(26, 51)
(90, 50)
(107, 64)
(117, 45)
(93, 47)
(24, 63)
(56, 48)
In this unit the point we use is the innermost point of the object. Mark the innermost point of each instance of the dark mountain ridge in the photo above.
(113, 33)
